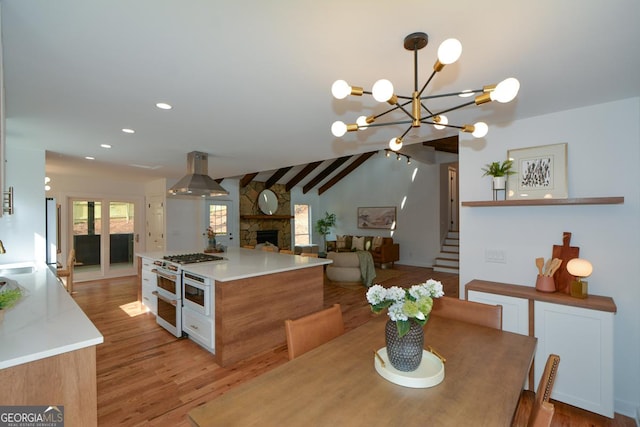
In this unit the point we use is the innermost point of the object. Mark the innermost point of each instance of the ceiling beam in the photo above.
(447, 145)
(346, 171)
(276, 176)
(247, 179)
(301, 175)
(325, 173)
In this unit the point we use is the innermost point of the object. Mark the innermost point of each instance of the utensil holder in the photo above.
(545, 284)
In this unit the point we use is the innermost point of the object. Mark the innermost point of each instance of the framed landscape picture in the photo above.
(541, 172)
(382, 218)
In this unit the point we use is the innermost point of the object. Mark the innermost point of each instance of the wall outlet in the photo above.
(495, 255)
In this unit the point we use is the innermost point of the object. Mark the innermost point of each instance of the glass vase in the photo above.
(405, 353)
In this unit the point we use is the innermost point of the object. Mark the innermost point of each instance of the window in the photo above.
(218, 218)
(302, 221)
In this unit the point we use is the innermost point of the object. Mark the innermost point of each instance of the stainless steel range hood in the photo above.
(197, 182)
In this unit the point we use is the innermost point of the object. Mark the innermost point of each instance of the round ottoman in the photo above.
(345, 267)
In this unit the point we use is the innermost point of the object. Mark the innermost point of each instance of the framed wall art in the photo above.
(541, 172)
(381, 218)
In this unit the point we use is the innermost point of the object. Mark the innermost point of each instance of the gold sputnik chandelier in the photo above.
(414, 106)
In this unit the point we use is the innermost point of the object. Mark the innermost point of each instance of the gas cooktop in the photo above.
(192, 258)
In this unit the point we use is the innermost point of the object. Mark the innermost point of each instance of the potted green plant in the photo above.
(499, 172)
(324, 225)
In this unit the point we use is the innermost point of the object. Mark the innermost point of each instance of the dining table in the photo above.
(337, 384)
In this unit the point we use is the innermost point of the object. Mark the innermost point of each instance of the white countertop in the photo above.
(242, 263)
(45, 323)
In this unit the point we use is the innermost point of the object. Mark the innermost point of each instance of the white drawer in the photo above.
(149, 300)
(200, 328)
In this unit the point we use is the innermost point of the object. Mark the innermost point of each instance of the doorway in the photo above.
(105, 234)
(218, 217)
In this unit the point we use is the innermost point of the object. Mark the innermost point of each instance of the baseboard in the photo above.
(628, 409)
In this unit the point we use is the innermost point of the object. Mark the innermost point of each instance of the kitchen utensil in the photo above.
(565, 253)
(547, 266)
(540, 264)
(555, 265)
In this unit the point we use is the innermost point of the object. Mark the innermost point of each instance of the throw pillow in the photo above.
(341, 242)
(377, 242)
(357, 243)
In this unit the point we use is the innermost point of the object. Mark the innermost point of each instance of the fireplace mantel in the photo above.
(266, 217)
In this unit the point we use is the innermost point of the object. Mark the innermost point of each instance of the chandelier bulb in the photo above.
(441, 120)
(362, 122)
(449, 51)
(480, 130)
(340, 89)
(506, 90)
(338, 129)
(382, 90)
(395, 144)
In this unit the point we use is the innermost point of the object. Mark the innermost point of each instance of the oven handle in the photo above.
(165, 299)
(171, 277)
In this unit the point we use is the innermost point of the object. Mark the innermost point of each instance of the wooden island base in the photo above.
(250, 313)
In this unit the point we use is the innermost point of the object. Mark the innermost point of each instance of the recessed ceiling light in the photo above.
(163, 106)
(127, 130)
(105, 145)
(90, 158)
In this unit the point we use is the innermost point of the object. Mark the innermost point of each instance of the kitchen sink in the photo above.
(8, 271)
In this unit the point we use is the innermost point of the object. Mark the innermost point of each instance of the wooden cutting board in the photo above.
(565, 253)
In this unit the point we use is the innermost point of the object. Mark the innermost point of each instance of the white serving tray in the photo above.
(430, 372)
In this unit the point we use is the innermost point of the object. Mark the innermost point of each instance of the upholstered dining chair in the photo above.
(468, 311)
(67, 273)
(286, 251)
(542, 410)
(309, 254)
(313, 330)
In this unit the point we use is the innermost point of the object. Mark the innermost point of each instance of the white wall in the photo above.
(603, 158)
(415, 191)
(23, 233)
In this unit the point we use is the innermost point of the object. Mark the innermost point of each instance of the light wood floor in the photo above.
(148, 377)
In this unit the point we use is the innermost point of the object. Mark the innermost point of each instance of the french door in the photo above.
(105, 234)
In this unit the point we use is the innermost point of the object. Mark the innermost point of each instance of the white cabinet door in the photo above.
(149, 284)
(583, 339)
(515, 311)
(199, 328)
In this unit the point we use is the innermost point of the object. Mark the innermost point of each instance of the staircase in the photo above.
(448, 261)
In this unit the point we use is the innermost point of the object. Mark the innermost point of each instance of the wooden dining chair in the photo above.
(313, 330)
(269, 248)
(541, 412)
(67, 273)
(468, 311)
(286, 251)
(309, 254)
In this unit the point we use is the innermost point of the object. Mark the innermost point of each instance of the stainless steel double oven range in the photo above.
(176, 288)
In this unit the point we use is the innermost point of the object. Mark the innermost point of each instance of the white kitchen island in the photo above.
(47, 350)
(254, 293)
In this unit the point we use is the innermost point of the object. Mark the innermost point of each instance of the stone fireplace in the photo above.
(252, 220)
